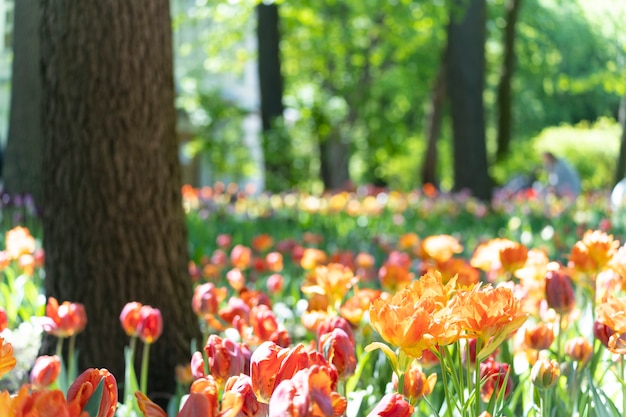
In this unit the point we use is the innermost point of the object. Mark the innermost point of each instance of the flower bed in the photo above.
(364, 304)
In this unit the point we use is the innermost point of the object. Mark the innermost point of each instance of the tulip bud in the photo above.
(579, 349)
(130, 317)
(545, 373)
(602, 332)
(45, 371)
(274, 261)
(495, 376)
(150, 325)
(559, 292)
(197, 365)
(416, 384)
(539, 336)
(236, 279)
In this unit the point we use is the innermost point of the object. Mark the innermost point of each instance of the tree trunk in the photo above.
(334, 168)
(114, 228)
(433, 125)
(22, 159)
(504, 86)
(276, 146)
(465, 82)
(620, 171)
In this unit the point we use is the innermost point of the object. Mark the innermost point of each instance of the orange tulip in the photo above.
(440, 248)
(240, 257)
(611, 323)
(274, 261)
(130, 317)
(392, 405)
(416, 384)
(236, 279)
(416, 318)
(593, 252)
(150, 324)
(149, 408)
(490, 314)
(7, 360)
(333, 280)
(262, 243)
(499, 255)
(307, 394)
(196, 405)
(46, 403)
(339, 350)
(207, 386)
(270, 364)
(64, 320)
(579, 349)
(225, 358)
(545, 373)
(354, 307)
(45, 371)
(312, 258)
(86, 383)
(539, 337)
(394, 277)
(245, 402)
(275, 283)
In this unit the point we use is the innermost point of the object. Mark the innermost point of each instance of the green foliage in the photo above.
(218, 135)
(591, 148)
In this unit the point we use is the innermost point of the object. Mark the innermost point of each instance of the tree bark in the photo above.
(22, 159)
(334, 159)
(506, 75)
(620, 170)
(276, 146)
(433, 125)
(113, 221)
(466, 80)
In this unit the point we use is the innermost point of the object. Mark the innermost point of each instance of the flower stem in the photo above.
(559, 350)
(130, 363)
(477, 383)
(71, 359)
(59, 350)
(545, 403)
(623, 372)
(145, 358)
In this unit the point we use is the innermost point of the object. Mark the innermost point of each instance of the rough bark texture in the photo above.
(114, 228)
(22, 160)
(620, 171)
(506, 75)
(466, 80)
(276, 146)
(433, 126)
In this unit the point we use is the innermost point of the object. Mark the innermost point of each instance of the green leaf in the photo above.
(93, 405)
(393, 358)
(602, 405)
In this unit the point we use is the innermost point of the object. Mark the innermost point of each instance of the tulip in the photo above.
(559, 292)
(244, 401)
(236, 279)
(45, 371)
(340, 351)
(392, 405)
(274, 261)
(416, 384)
(225, 358)
(270, 364)
(602, 332)
(86, 384)
(150, 324)
(579, 349)
(545, 373)
(7, 360)
(64, 320)
(224, 241)
(275, 283)
(539, 336)
(197, 365)
(130, 318)
(207, 386)
(240, 257)
(495, 376)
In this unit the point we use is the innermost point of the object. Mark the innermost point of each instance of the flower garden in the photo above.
(365, 303)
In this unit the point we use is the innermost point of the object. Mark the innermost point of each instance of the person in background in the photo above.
(563, 179)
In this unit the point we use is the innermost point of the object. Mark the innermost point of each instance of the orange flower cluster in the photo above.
(428, 313)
